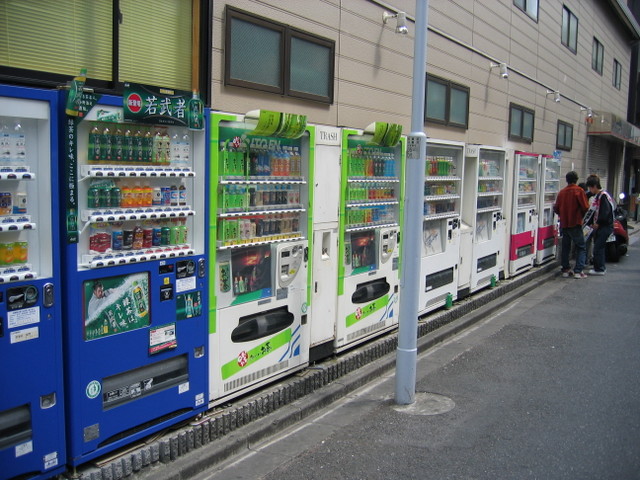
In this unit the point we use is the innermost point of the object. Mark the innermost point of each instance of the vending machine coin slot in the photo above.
(367, 292)
(289, 261)
(254, 327)
(49, 297)
(387, 242)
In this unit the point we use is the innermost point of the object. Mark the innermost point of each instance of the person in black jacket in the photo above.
(601, 220)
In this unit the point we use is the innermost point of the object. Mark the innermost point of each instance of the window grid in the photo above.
(617, 74)
(446, 103)
(597, 56)
(521, 123)
(303, 59)
(569, 30)
(564, 140)
(530, 7)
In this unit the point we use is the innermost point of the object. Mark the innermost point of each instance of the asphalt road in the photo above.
(546, 388)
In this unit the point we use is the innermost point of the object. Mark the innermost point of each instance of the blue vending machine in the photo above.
(134, 266)
(32, 440)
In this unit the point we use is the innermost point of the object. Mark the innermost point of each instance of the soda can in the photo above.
(6, 253)
(127, 239)
(165, 236)
(117, 239)
(166, 195)
(93, 197)
(20, 204)
(147, 238)
(156, 241)
(173, 235)
(157, 196)
(115, 197)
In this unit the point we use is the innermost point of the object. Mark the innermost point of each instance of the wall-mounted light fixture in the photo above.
(504, 70)
(556, 95)
(401, 25)
(589, 118)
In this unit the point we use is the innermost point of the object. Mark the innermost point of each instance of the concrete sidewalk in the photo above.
(230, 431)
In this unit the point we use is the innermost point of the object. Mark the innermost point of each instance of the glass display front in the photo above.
(527, 180)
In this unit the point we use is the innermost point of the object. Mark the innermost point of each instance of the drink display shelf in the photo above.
(16, 223)
(489, 179)
(141, 213)
(353, 179)
(432, 178)
(114, 258)
(489, 194)
(250, 213)
(255, 180)
(16, 175)
(527, 194)
(431, 198)
(17, 274)
(369, 226)
(371, 203)
(121, 171)
(250, 242)
(489, 209)
(440, 216)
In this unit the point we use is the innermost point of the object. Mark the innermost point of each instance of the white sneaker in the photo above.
(596, 272)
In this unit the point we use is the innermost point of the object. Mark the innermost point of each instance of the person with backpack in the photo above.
(571, 205)
(600, 219)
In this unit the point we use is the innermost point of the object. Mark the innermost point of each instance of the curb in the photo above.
(178, 454)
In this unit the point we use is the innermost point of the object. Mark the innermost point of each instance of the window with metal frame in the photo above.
(564, 138)
(597, 56)
(521, 123)
(617, 74)
(117, 41)
(569, 30)
(446, 102)
(265, 55)
(530, 7)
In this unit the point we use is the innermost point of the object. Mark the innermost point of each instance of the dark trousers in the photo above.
(575, 235)
(600, 236)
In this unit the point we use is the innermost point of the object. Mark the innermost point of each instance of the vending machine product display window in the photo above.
(483, 210)
(135, 272)
(549, 188)
(260, 203)
(441, 225)
(368, 234)
(32, 402)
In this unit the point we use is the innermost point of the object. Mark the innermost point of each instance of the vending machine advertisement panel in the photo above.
(32, 421)
(441, 226)
(483, 209)
(368, 233)
(524, 221)
(549, 187)
(135, 303)
(259, 221)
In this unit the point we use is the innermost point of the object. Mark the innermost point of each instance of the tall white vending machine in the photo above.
(259, 219)
(442, 224)
(369, 227)
(483, 208)
(547, 229)
(524, 212)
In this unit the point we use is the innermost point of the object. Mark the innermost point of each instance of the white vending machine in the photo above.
(524, 212)
(369, 229)
(483, 207)
(259, 218)
(549, 187)
(441, 228)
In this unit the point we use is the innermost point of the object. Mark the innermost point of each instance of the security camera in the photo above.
(504, 71)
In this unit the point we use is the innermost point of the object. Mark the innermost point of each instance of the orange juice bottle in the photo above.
(148, 195)
(127, 196)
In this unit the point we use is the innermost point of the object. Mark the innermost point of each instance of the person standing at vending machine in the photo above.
(571, 205)
(601, 221)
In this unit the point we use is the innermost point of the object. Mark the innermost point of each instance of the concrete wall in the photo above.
(374, 65)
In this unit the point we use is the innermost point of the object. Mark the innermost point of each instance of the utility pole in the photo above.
(411, 240)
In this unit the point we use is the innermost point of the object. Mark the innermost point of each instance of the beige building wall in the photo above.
(373, 78)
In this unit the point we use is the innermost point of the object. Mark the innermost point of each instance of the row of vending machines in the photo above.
(158, 260)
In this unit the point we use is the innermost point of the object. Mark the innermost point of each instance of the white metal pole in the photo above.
(411, 240)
